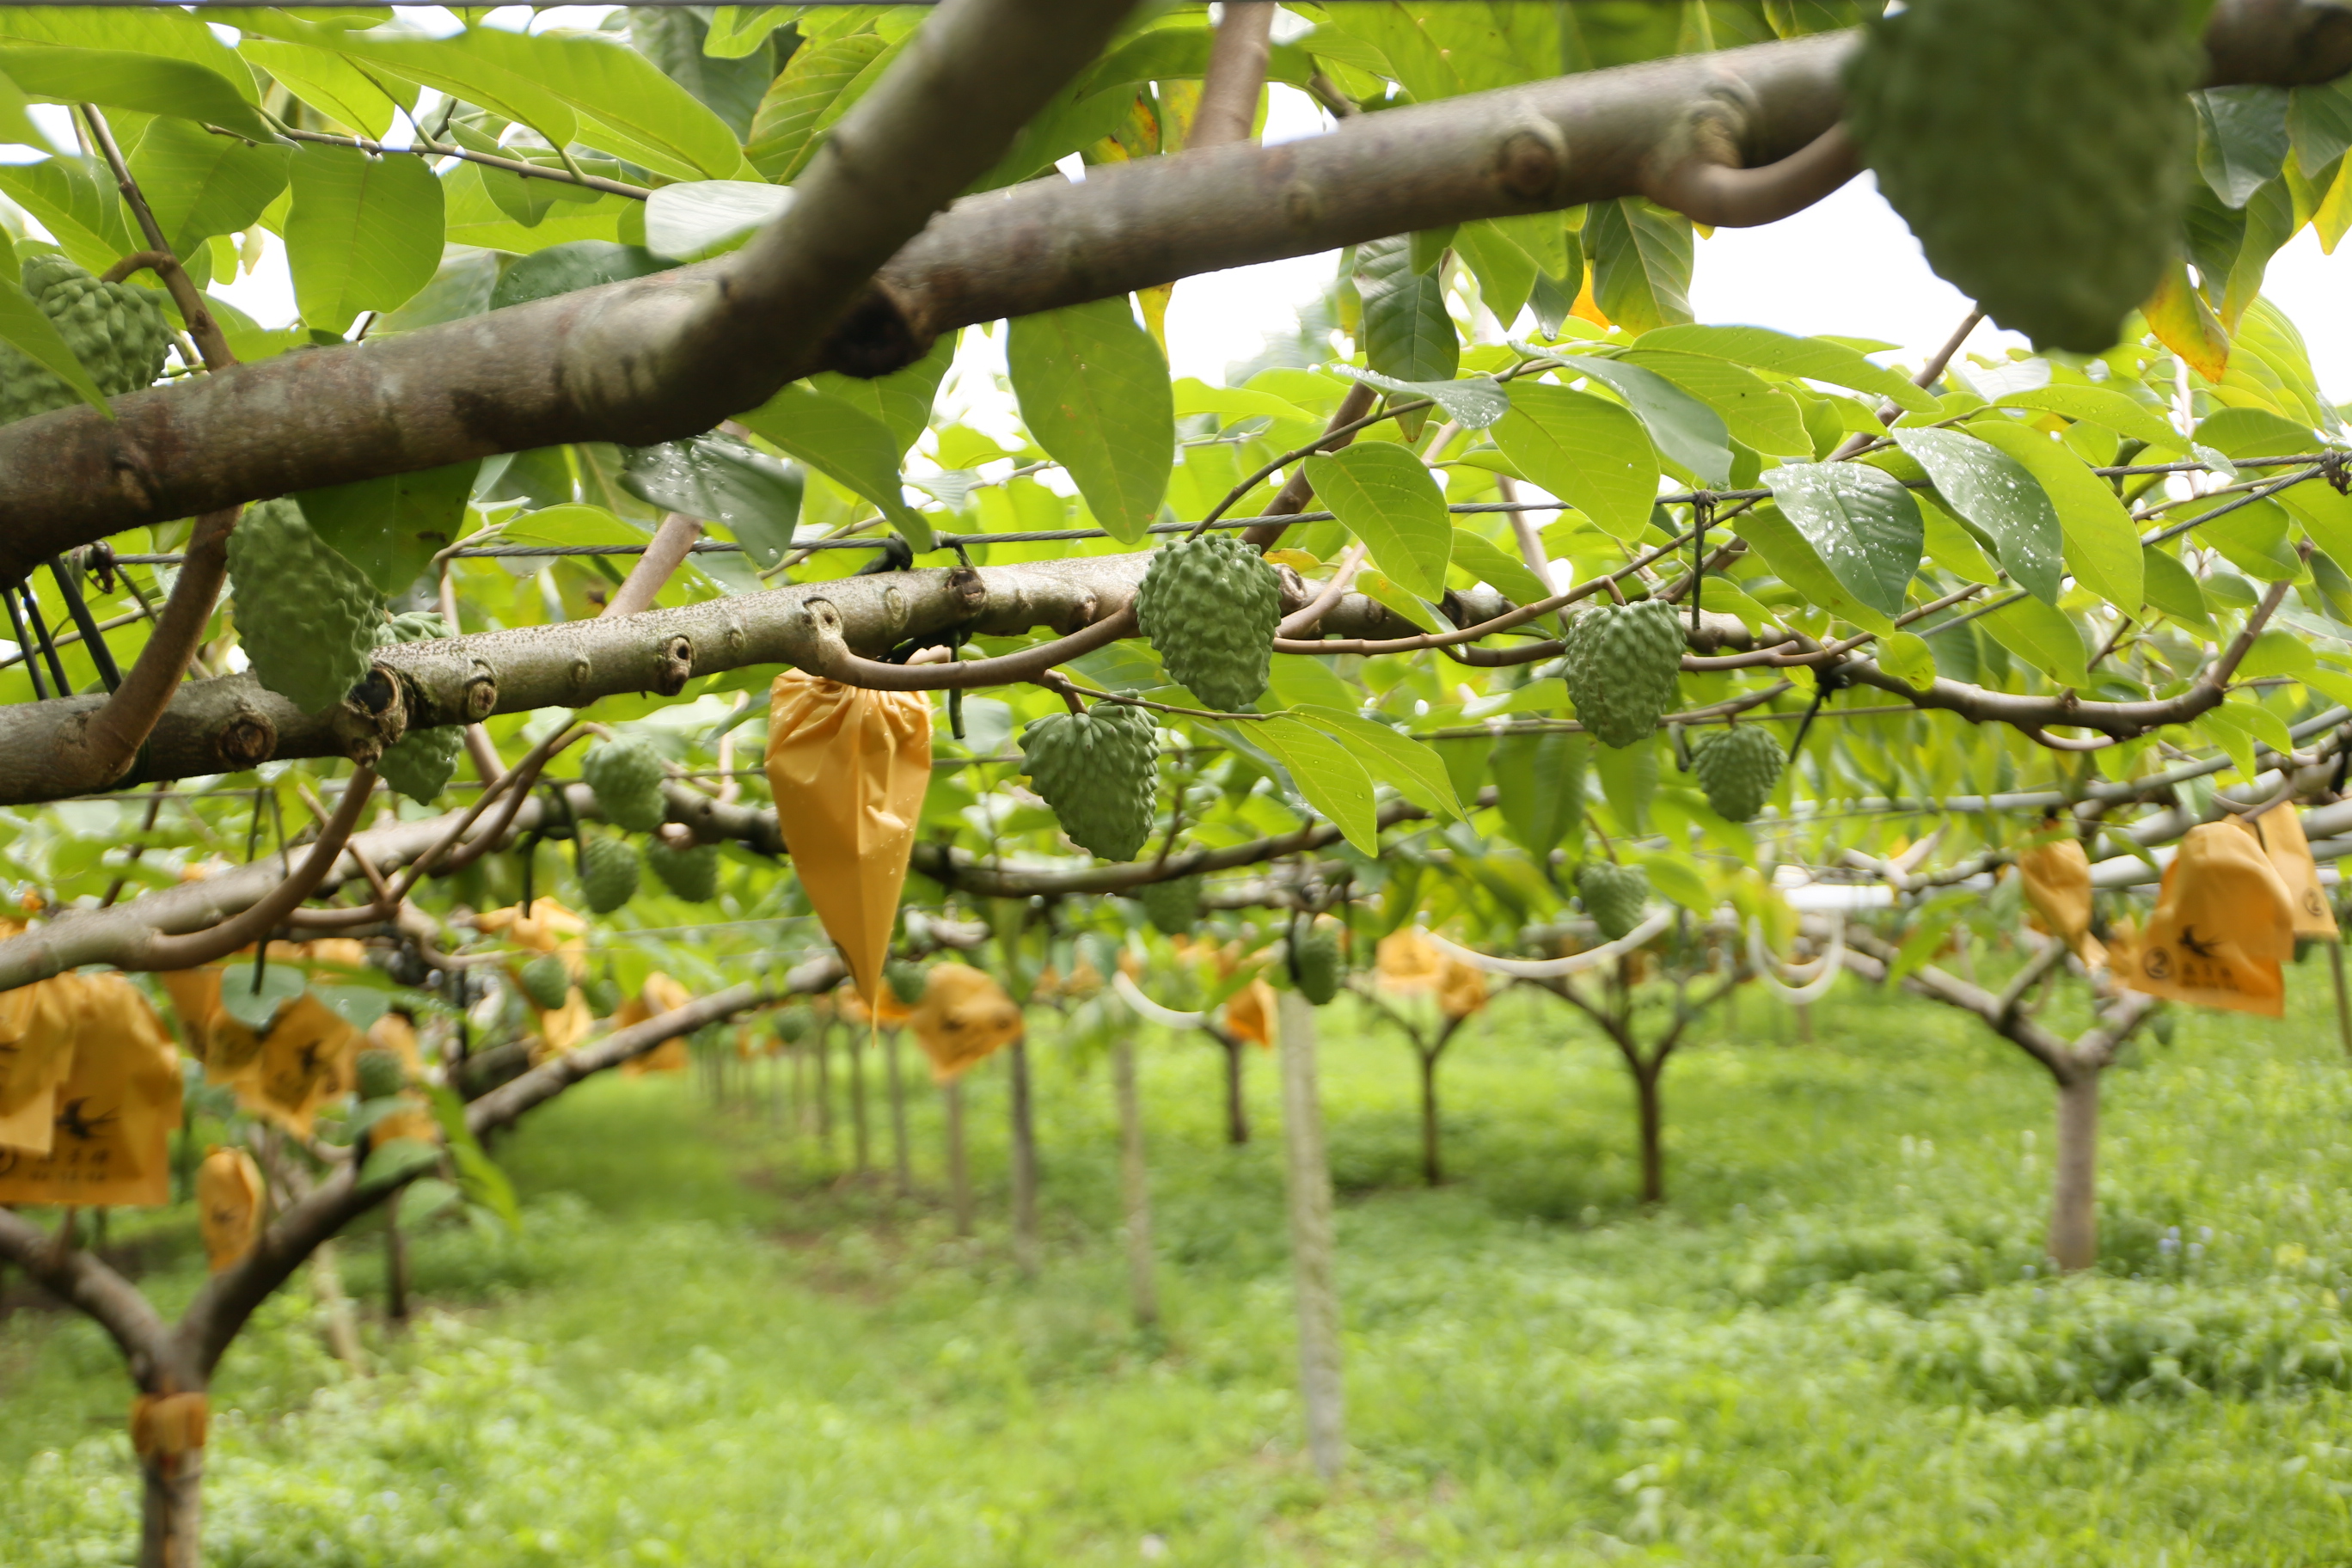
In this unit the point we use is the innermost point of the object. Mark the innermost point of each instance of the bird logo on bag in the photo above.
(74, 1124)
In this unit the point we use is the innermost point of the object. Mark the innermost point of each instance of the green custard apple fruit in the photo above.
(117, 330)
(1621, 666)
(608, 872)
(1738, 768)
(626, 776)
(2042, 153)
(1174, 906)
(546, 982)
(691, 874)
(1318, 966)
(1099, 770)
(1613, 896)
(1210, 606)
(306, 616)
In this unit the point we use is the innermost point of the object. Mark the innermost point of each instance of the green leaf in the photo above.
(1994, 491)
(1539, 787)
(121, 79)
(75, 199)
(364, 234)
(16, 125)
(1684, 428)
(365, 100)
(2239, 723)
(1381, 493)
(1587, 451)
(1641, 263)
(1376, 587)
(1629, 782)
(198, 185)
(449, 65)
(815, 87)
(1793, 560)
(256, 1007)
(1093, 389)
(2103, 406)
(1332, 781)
(1862, 523)
(1908, 658)
(1193, 395)
(391, 528)
(846, 444)
(2241, 139)
(901, 400)
(2171, 587)
(25, 327)
(737, 30)
(699, 218)
(1505, 274)
(1755, 414)
(1498, 568)
(1418, 773)
(2319, 124)
(1814, 359)
(2102, 543)
(578, 263)
(754, 496)
(484, 1182)
(629, 106)
(1677, 880)
(1407, 333)
(1473, 403)
(2043, 637)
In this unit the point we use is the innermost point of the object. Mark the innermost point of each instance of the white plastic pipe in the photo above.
(1151, 1012)
(1823, 971)
(1546, 968)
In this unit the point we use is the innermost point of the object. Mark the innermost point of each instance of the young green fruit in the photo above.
(1613, 896)
(1210, 606)
(1174, 906)
(1099, 770)
(380, 1074)
(626, 776)
(118, 331)
(1738, 768)
(691, 874)
(608, 872)
(1621, 668)
(1318, 966)
(306, 616)
(2040, 152)
(547, 982)
(907, 981)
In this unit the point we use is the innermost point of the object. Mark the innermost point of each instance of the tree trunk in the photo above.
(1314, 1265)
(824, 1096)
(1024, 1164)
(2074, 1202)
(1432, 1168)
(1236, 1103)
(902, 1167)
(395, 1264)
(959, 1173)
(1804, 1012)
(326, 1282)
(861, 1138)
(1654, 1132)
(803, 1107)
(171, 1510)
(2343, 1003)
(1135, 1186)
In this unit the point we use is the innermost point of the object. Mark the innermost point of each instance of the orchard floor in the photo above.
(1834, 1347)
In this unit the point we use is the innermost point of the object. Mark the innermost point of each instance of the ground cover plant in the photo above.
(1838, 1346)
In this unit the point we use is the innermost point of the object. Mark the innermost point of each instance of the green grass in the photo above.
(1836, 1346)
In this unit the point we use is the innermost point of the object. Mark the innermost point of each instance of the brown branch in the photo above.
(107, 741)
(426, 147)
(1722, 194)
(1236, 75)
(82, 1280)
(673, 541)
(160, 952)
(158, 254)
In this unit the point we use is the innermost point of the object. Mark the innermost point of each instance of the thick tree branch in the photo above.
(673, 541)
(1236, 75)
(80, 1278)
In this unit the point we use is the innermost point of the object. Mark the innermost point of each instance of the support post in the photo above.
(901, 1168)
(1312, 1244)
(959, 1172)
(2343, 1001)
(1025, 1247)
(1135, 1186)
(2074, 1198)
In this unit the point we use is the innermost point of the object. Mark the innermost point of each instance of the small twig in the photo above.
(428, 147)
(158, 254)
